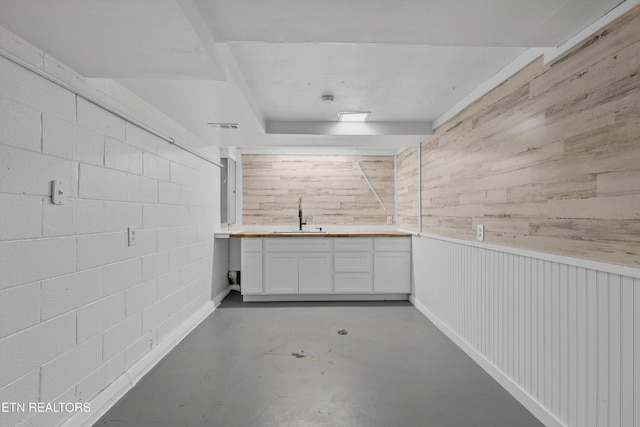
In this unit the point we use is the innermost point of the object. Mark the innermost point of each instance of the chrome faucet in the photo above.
(300, 223)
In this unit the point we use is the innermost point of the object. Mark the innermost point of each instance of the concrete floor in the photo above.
(284, 364)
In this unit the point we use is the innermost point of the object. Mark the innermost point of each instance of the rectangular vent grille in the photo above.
(224, 125)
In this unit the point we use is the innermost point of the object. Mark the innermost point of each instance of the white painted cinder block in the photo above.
(28, 172)
(169, 193)
(168, 284)
(189, 273)
(200, 286)
(155, 167)
(141, 189)
(57, 136)
(24, 390)
(99, 249)
(179, 299)
(121, 276)
(91, 116)
(99, 316)
(20, 126)
(88, 216)
(48, 419)
(69, 368)
(122, 335)
(157, 216)
(170, 238)
(178, 258)
(155, 265)
(120, 215)
(66, 293)
(28, 349)
(19, 308)
(118, 155)
(140, 138)
(88, 146)
(57, 220)
(20, 216)
(155, 314)
(99, 379)
(26, 261)
(38, 93)
(139, 348)
(100, 183)
(141, 296)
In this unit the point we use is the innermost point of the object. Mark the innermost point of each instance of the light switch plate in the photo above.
(131, 236)
(480, 233)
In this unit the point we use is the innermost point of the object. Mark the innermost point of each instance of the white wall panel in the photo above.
(561, 336)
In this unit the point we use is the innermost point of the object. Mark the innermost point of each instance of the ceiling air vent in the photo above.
(224, 125)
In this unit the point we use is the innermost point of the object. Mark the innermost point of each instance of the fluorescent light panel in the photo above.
(354, 116)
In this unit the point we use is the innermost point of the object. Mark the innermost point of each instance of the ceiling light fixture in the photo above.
(353, 116)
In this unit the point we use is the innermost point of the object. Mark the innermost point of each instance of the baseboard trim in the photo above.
(539, 411)
(117, 389)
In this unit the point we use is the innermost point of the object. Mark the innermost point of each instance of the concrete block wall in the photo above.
(78, 306)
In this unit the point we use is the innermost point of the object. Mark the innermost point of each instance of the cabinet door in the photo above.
(392, 272)
(316, 274)
(251, 273)
(281, 273)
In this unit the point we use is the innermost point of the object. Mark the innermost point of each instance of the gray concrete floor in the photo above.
(284, 364)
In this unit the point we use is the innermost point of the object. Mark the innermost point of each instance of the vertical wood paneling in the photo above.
(592, 349)
(627, 352)
(567, 335)
(603, 349)
(615, 356)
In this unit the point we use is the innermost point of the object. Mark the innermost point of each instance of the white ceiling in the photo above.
(266, 63)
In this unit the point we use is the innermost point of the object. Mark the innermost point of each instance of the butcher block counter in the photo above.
(259, 234)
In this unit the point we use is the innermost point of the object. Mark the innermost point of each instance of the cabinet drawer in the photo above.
(353, 283)
(353, 245)
(295, 244)
(251, 245)
(392, 244)
(353, 262)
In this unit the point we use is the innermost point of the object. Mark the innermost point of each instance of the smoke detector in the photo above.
(327, 99)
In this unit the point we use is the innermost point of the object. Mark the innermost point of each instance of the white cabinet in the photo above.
(392, 265)
(251, 267)
(391, 272)
(315, 275)
(281, 273)
(353, 260)
(326, 266)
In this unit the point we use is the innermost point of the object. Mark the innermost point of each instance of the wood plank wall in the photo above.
(333, 189)
(408, 209)
(550, 159)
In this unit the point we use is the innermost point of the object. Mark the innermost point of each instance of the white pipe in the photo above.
(372, 189)
(55, 80)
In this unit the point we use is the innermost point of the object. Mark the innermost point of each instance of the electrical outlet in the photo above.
(131, 236)
(480, 233)
(389, 219)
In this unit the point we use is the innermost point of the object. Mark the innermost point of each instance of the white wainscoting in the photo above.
(560, 334)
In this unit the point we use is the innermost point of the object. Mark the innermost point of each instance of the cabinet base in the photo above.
(325, 297)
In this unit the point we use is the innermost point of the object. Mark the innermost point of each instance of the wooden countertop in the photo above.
(259, 234)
